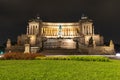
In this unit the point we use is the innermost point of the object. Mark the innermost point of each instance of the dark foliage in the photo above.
(21, 56)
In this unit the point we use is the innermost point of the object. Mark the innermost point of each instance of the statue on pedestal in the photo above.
(27, 45)
(27, 40)
(8, 44)
(92, 42)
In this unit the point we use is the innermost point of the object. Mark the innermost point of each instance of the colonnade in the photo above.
(54, 31)
(32, 30)
(87, 30)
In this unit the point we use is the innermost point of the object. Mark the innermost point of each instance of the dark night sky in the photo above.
(14, 15)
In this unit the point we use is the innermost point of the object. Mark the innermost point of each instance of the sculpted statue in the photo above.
(27, 40)
(91, 41)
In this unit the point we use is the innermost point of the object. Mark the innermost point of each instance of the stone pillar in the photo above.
(88, 29)
(31, 29)
(74, 32)
(35, 30)
(83, 29)
(93, 30)
(27, 48)
(8, 44)
(53, 31)
(111, 44)
(45, 31)
(94, 44)
(64, 32)
(27, 30)
(41, 31)
(50, 32)
(69, 31)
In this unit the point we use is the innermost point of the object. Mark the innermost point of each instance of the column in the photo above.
(83, 29)
(31, 30)
(64, 31)
(67, 32)
(41, 30)
(48, 31)
(88, 30)
(52, 32)
(72, 32)
(45, 31)
(27, 30)
(55, 32)
(91, 29)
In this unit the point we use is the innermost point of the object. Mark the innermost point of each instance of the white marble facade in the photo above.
(60, 35)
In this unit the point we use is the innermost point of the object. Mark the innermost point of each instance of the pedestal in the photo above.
(27, 48)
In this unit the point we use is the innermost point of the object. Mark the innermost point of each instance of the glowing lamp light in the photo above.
(118, 54)
(1, 52)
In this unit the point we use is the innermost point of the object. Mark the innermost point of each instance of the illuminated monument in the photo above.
(54, 35)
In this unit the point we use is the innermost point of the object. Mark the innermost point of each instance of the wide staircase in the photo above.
(60, 52)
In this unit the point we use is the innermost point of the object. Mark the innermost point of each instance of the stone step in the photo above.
(60, 51)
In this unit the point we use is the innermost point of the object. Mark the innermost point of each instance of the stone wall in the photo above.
(99, 50)
(15, 48)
